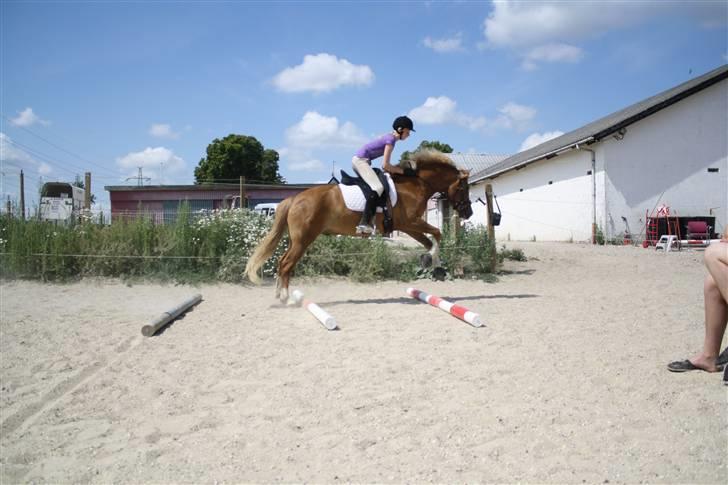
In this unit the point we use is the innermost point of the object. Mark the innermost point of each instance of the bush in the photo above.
(215, 246)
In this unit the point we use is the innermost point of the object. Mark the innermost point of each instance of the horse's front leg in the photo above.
(417, 230)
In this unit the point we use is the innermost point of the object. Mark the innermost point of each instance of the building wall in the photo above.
(549, 200)
(664, 159)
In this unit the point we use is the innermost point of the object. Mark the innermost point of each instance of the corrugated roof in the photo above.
(606, 126)
(475, 162)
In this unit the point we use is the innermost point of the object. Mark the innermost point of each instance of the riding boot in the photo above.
(365, 224)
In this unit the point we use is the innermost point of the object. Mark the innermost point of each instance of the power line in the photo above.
(54, 145)
(45, 158)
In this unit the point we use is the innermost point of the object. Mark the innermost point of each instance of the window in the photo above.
(713, 169)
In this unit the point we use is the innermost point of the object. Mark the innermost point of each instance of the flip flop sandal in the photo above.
(722, 358)
(682, 366)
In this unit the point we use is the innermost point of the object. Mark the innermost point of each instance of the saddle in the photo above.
(383, 201)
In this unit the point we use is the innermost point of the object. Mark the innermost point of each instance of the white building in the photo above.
(670, 149)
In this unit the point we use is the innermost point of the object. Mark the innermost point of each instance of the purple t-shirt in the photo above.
(375, 149)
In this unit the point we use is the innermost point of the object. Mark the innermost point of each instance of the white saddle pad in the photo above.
(354, 197)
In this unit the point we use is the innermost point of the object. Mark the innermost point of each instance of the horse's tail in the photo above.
(270, 242)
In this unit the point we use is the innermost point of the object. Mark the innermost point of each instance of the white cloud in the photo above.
(552, 53)
(514, 115)
(156, 163)
(453, 44)
(28, 118)
(15, 159)
(162, 130)
(442, 110)
(532, 29)
(322, 73)
(44, 169)
(527, 24)
(538, 138)
(314, 132)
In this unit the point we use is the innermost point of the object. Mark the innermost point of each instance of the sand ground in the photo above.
(566, 382)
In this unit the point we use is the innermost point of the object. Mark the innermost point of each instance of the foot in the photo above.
(699, 362)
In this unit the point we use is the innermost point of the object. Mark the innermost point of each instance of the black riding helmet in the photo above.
(402, 122)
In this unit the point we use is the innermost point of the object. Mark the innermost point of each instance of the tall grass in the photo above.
(210, 247)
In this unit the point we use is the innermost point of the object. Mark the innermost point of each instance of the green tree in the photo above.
(424, 145)
(235, 156)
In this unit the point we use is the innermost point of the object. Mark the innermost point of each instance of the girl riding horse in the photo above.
(321, 210)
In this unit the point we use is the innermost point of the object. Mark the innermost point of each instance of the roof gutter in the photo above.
(551, 154)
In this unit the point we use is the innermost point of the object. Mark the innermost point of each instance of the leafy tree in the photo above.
(424, 145)
(235, 156)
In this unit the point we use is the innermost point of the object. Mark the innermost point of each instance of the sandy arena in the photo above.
(565, 383)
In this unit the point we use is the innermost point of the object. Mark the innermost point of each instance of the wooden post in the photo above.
(242, 192)
(87, 193)
(22, 196)
(166, 317)
(8, 207)
(491, 227)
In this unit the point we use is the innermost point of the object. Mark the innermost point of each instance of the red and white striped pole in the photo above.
(455, 310)
(315, 310)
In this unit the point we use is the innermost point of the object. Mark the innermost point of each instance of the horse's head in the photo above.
(441, 175)
(458, 193)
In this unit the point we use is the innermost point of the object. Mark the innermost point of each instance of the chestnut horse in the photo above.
(321, 210)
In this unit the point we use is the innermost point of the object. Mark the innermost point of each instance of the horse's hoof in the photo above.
(439, 273)
(425, 260)
(283, 297)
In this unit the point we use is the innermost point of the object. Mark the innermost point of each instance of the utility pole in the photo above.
(242, 192)
(22, 196)
(87, 193)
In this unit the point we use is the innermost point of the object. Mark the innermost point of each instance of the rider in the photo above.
(362, 163)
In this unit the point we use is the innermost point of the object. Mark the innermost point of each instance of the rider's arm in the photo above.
(388, 167)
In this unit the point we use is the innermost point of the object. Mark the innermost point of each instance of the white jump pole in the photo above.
(166, 317)
(315, 310)
(455, 310)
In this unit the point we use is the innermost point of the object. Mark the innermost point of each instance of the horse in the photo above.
(321, 210)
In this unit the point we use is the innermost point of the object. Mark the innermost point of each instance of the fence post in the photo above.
(242, 192)
(491, 227)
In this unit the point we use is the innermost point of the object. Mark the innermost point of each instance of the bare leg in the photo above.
(715, 292)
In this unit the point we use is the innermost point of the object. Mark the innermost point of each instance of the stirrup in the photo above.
(364, 229)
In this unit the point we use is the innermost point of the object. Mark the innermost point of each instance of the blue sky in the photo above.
(106, 87)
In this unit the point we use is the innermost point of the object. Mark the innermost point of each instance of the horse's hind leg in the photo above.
(289, 260)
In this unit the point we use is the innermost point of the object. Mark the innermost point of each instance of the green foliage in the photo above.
(360, 259)
(215, 246)
(425, 145)
(467, 252)
(235, 156)
(512, 254)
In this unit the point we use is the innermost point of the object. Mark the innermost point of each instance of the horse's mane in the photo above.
(424, 159)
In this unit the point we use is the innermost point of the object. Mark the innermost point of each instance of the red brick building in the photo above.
(163, 201)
